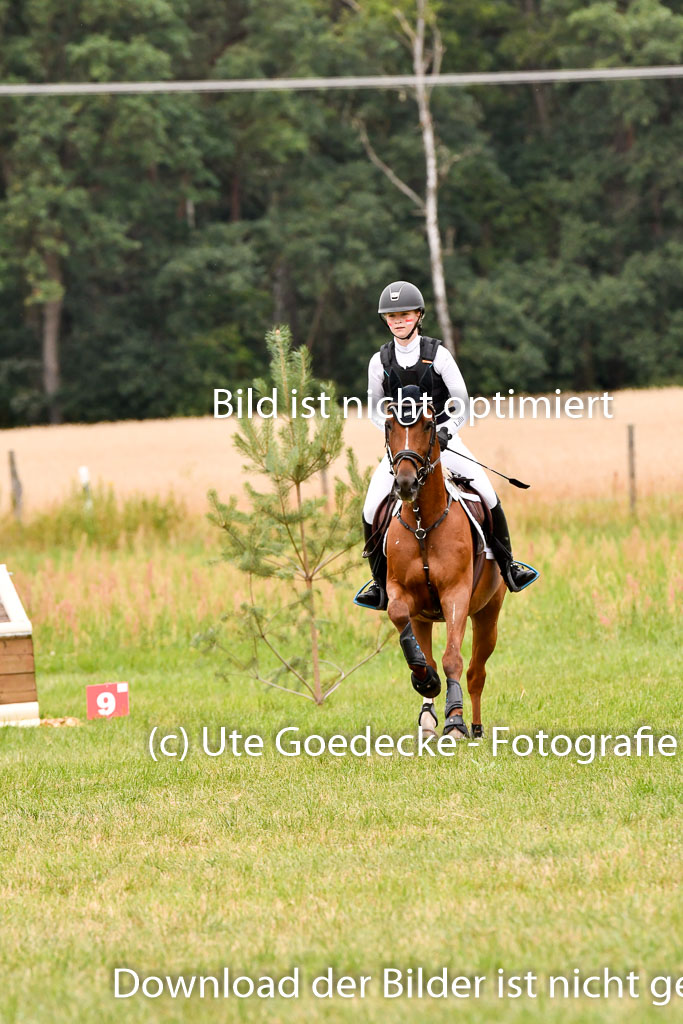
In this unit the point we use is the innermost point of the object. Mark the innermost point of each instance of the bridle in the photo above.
(423, 463)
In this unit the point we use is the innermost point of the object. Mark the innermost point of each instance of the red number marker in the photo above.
(107, 700)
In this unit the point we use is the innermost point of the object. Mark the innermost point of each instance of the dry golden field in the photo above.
(561, 458)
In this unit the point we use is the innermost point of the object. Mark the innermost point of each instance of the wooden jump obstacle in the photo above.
(18, 694)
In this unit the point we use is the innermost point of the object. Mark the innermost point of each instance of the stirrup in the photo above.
(378, 600)
(512, 584)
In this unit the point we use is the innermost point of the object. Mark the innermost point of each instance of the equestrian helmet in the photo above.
(399, 297)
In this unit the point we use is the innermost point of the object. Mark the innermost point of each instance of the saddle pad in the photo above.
(386, 510)
(465, 498)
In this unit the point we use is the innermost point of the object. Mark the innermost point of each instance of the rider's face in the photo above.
(402, 325)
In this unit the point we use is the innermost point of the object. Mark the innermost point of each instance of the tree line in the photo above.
(147, 243)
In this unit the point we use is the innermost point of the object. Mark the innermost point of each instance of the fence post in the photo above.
(17, 490)
(631, 468)
(84, 477)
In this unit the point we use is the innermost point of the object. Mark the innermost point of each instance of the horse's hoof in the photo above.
(455, 726)
(430, 686)
(477, 731)
(427, 720)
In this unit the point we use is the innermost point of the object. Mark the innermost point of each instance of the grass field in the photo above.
(262, 864)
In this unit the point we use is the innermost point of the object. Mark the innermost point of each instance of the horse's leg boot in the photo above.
(412, 651)
(428, 709)
(454, 704)
(426, 679)
(430, 686)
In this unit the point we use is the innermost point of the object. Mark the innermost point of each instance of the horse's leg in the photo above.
(455, 606)
(484, 635)
(427, 719)
(424, 676)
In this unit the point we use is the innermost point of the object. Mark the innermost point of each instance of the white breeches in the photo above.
(383, 479)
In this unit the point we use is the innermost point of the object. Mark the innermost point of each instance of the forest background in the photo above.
(148, 242)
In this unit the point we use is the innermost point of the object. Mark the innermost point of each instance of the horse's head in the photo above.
(410, 434)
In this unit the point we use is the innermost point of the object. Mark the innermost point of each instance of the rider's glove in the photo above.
(443, 437)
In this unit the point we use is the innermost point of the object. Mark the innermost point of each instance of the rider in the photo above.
(407, 359)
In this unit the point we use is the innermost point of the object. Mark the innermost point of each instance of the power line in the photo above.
(347, 82)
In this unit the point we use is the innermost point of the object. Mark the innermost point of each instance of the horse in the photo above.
(430, 573)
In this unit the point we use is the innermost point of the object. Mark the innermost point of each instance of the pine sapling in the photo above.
(292, 540)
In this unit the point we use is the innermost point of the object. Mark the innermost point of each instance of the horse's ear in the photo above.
(394, 383)
(426, 382)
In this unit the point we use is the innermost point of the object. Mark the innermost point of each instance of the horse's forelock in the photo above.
(409, 412)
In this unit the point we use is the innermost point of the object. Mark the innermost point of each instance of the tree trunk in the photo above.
(52, 315)
(539, 95)
(312, 620)
(538, 90)
(316, 320)
(235, 197)
(432, 185)
(279, 298)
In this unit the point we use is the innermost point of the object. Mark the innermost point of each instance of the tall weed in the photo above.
(144, 573)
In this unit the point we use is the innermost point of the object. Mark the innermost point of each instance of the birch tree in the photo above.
(426, 61)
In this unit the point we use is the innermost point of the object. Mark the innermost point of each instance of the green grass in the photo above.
(262, 864)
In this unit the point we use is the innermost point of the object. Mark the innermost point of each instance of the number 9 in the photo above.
(106, 703)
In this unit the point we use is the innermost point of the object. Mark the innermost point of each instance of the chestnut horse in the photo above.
(430, 573)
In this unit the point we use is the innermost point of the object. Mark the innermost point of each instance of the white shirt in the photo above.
(408, 355)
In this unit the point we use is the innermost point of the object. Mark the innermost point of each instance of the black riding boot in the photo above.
(374, 595)
(517, 575)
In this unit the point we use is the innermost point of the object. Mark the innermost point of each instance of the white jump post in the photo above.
(18, 694)
(84, 477)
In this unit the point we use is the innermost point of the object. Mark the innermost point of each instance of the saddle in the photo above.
(476, 509)
(478, 513)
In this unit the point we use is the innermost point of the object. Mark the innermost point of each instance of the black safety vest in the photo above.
(421, 373)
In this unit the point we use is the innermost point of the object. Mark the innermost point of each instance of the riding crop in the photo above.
(511, 479)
